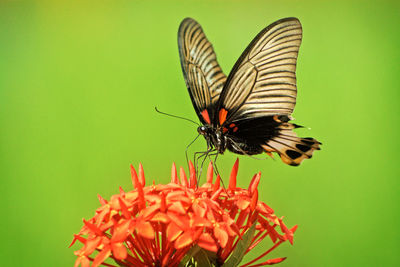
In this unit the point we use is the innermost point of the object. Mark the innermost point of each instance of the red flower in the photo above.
(157, 225)
(245, 208)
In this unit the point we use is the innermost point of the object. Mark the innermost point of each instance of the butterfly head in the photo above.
(204, 130)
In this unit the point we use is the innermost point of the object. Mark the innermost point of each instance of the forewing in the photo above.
(263, 80)
(203, 76)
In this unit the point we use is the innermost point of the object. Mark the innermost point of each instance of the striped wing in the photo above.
(203, 76)
(263, 80)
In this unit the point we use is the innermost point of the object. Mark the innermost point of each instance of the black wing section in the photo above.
(203, 76)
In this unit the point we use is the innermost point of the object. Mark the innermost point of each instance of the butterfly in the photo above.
(249, 111)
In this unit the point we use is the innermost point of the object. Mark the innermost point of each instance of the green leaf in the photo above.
(120, 263)
(197, 256)
(241, 247)
(189, 255)
(202, 259)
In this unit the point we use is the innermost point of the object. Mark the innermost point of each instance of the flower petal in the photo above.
(173, 231)
(174, 174)
(242, 203)
(217, 184)
(288, 233)
(181, 221)
(102, 256)
(232, 178)
(254, 200)
(274, 261)
(145, 229)
(192, 173)
(134, 176)
(119, 250)
(121, 231)
(149, 212)
(93, 227)
(142, 179)
(184, 180)
(160, 217)
(177, 207)
(210, 173)
(184, 240)
(254, 182)
(102, 200)
(124, 209)
(91, 245)
(198, 209)
(83, 261)
(221, 235)
(217, 193)
(77, 237)
(201, 222)
(207, 242)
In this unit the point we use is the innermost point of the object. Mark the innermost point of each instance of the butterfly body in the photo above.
(214, 137)
(249, 111)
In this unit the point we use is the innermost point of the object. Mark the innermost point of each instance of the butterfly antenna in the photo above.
(177, 117)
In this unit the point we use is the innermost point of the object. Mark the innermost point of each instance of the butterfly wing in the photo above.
(203, 76)
(260, 94)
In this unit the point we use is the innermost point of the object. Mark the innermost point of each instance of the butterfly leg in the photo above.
(206, 155)
(214, 163)
(187, 148)
(197, 157)
(201, 156)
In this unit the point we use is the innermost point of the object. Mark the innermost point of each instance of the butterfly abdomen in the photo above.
(243, 147)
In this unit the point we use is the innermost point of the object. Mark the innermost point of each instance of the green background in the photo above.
(78, 86)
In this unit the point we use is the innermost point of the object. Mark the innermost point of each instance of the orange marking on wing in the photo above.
(205, 116)
(270, 154)
(268, 150)
(235, 129)
(224, 130)
(232, 125)
(222, 116)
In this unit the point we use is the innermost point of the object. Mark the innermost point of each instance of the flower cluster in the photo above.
(165, 225)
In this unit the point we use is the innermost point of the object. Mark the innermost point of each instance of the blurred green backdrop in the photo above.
(78, 86)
